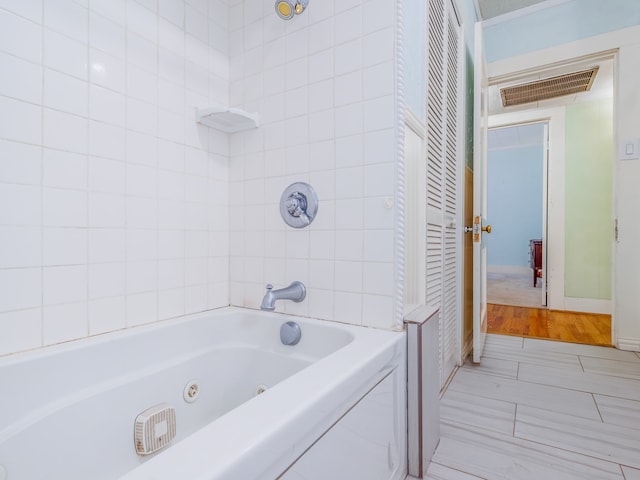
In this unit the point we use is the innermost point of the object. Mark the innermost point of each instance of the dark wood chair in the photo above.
(535, 259)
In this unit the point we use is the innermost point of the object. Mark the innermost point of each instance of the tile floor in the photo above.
(541, 410)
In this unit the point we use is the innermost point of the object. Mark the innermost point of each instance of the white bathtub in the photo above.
(68, 411)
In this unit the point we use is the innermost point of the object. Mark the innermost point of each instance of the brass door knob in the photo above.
(487, 229)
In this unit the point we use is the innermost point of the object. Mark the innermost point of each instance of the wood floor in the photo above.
(588, 328)
(541, 410)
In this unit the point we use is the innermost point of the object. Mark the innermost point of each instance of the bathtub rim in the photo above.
(369, 358)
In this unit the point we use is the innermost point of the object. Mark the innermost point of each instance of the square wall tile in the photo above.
(142, 308)
(378, 278)
(107, 35)
(377, 311)
(28, 197)
(22, 289)
(21, 330)
(107, 106)
(348, 307)
(348, 276)
(107, 245)
(20, 163)
(107, 315)
(106, 210)
(321, 304)
(378, 245)
(378, 47)
(142, 21)
(68, 17)
(348, 120)
(142, 52)
(171, 303)
(347, 25)
(63, 131)
(106, 175)
(16, 115)
(20, 247)
(64, 246)
(106, 280)
(64, 284)
(378, 180)
(196, 299)
(65, 55)
(113, 9)
(31, 10)
(379, 113)
(349, 245)
(62, 323)
(142, 276)
(348, 57)
(25, 82)
(19, 36)
(62, 169)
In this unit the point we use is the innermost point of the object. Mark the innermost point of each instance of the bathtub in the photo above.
(246, 406)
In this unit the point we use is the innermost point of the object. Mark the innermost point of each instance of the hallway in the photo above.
(537, 409)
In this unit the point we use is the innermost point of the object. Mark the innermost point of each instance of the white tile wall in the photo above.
(323, 85)
(113, 201)
(117, 209)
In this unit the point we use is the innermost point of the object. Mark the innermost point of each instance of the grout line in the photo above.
(580, 362)
(593, 396)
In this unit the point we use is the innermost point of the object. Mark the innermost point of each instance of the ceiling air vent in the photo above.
(547, 88)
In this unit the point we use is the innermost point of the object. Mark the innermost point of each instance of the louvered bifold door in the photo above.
(435, 160)
(451, 273)
(442, 267)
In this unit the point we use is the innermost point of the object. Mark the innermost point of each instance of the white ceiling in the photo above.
(494, 8)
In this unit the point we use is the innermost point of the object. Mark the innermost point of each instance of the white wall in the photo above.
(323, 84)
(113, 202)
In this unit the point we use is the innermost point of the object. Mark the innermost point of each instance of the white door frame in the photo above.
(555, 118)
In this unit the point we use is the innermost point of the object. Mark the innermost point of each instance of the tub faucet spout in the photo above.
(296, 292)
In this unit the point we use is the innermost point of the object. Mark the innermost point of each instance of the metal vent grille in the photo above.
(553, 87)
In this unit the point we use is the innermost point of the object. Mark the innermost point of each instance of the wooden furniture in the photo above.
(535, 259)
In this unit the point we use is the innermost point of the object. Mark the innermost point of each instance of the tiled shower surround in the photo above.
(117, 208)
(324, 86)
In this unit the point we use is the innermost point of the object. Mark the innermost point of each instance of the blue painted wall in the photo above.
(514, 203)
(566, 22)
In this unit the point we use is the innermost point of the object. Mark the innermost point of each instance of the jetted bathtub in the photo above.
(246, 406)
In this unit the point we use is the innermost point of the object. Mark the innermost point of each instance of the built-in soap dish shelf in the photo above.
(227, 119)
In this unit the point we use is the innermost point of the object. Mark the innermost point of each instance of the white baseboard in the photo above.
(587, 305)
(630, 344)
(512, 269)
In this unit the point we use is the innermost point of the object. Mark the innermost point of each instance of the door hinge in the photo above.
(615, 230)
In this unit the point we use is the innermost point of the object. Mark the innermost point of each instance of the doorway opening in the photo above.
(516, 204)
(579, 195)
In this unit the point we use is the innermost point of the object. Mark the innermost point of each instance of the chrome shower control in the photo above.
(298, 205)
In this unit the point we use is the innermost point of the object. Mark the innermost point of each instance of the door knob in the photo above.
(487, 229)
(468, 229)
